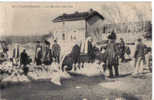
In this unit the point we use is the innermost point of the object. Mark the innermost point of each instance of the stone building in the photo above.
(80, 25)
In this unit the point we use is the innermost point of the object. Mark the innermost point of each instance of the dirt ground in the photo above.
(84, 86)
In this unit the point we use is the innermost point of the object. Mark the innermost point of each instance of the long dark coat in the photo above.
(38, 58)
(91, 50)
(140, 50)
(75, 53)
(111, 54)
(56, 50)
(24, 58)
(48, 57)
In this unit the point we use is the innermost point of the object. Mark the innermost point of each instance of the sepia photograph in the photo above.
(76, 50)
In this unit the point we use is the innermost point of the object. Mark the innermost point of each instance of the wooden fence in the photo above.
(131, 27)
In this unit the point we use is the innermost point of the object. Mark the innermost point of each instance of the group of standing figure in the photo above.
(45, 55)
(142, 56)
(111, 55)
(21, 59)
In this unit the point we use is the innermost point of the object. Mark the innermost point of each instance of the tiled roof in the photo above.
(77, 16)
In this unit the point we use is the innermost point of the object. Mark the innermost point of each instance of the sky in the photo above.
(36, 18)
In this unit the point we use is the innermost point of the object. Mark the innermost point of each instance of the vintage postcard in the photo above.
(76, 50)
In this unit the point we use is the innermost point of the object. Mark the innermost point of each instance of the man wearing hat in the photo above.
(111, 54)
(139, 56)
(56, 51)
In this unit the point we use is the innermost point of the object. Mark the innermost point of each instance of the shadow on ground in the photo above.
(76, 88)
(41, 89)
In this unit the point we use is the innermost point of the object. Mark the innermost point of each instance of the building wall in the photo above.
(93, 28)
(77, 29)
(74, 29)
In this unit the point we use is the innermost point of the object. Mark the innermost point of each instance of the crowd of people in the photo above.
(45, 54)
(142, 56)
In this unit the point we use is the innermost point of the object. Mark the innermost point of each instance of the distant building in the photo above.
(80, 25)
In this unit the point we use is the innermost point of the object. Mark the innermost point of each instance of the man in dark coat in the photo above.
(56, 51)
(75, 53)
(91, 51)
(111, 55)
(24, 60)
(47, 56)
